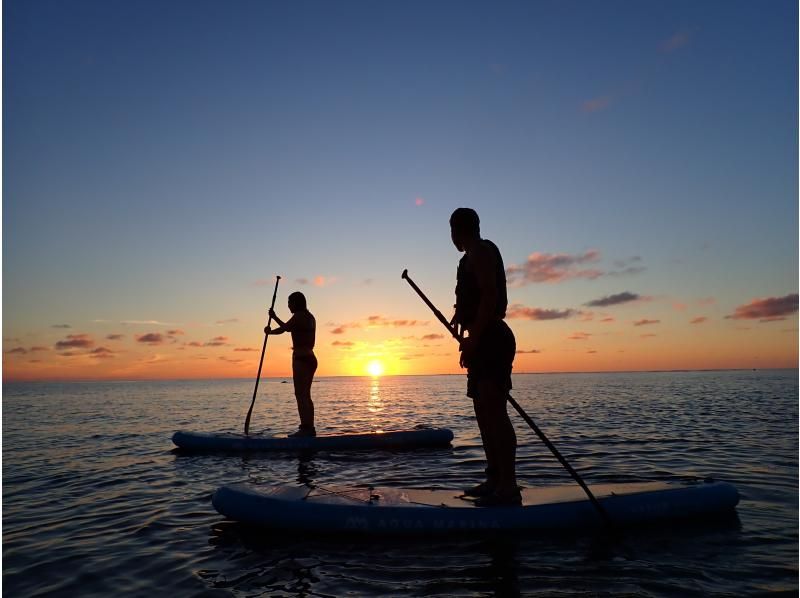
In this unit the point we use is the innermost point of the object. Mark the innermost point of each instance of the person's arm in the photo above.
(483, 266)
(282, 326)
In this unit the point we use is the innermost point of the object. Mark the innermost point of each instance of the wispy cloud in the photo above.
(245, 349)
(147, 323)
(579, 336)
(597, 104)
(17, 351)
(101, 353)
(60, 326)
(317, 281)
(559, 267)
(675, 42)
(698, 320)
(646, 322)
(617, 299)
(151, 338)
(419, 201)
(228, 321)
(115, 337)
(217, 341)
(526, 352)
(264, 282)
(771, 309)
(342, 343)
(75, 341)
(432, 337)
(518, 311)
(554, 267)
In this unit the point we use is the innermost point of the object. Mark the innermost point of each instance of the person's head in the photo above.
(465, 226)
(297, 302)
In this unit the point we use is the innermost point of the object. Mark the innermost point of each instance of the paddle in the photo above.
(516, 406)
(261, 363)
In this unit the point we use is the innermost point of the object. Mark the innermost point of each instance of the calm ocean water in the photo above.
(96, 503)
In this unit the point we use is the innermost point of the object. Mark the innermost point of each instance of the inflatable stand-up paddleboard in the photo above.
(402, 439)
(399, 511)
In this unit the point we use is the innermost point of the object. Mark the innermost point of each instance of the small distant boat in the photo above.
(409, 511)
(228, 441)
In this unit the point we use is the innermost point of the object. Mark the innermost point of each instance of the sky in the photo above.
(636, 162)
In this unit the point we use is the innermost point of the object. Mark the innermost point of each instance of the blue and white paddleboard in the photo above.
(408, 511)
(224, 441)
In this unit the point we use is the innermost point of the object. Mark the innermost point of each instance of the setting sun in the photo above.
(375, 368)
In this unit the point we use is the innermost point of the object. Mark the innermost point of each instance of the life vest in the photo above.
(468, 293)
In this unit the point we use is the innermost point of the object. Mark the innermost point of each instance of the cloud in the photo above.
(146, 322)
(76, 341)
(101, 353)
(648, 335)
(679, 40)
(38, 349)
(317, 281)
(193, 344)
(60, 326)
(151, 338)
(228, 321)
(529, 351)
(591, 351)
(17, 350)
(607, 320)
(114, 337)
(229, 360)
(433, 337)
(699, 320)
(518, 311)
(338, 330)
(301, 280)
(373, 321)
(596, 104)
(217, 341)
(419, 201)
(175, 333)
(554, 267)
(579, 336)
(771, 309)
(244, 349)
(618, 299)
(342, 344)
(645, 322)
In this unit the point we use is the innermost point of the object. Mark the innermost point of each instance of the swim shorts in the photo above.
(493, 358)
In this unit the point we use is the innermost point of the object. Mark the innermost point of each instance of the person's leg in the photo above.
(482, 415)
(502, 440)
(303, 377)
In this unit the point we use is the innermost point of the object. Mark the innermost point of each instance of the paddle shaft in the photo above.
(519, 410)
(261, 362)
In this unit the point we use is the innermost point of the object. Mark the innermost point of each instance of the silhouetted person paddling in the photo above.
(488, 354)
(303, 327)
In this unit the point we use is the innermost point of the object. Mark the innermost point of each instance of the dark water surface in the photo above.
(95, 503)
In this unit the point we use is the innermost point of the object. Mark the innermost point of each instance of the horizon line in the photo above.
(544, 373)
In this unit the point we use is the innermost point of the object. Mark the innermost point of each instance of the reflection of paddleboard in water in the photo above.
(228, 441)
(409, 511)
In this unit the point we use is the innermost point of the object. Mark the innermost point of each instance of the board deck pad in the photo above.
(406, 511)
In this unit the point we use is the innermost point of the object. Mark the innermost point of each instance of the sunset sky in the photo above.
(635, 162)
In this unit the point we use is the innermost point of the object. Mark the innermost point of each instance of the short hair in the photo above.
(298, 299)
(466, 219)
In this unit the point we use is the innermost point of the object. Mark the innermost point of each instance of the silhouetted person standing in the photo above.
(488, 354)
(303, 327)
